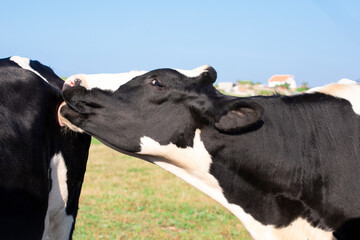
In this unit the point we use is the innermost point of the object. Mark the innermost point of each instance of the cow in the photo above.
(42, 164)
(287, 166)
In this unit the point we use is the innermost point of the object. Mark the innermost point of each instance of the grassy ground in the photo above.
(126, 198)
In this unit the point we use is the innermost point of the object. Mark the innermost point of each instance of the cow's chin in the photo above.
(64, 114)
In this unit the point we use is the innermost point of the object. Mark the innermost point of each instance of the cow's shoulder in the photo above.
(47, 73)
(26, 71)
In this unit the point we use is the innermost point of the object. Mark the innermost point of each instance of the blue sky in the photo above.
(317, 41)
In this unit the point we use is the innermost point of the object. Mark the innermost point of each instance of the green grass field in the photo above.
(127, 198)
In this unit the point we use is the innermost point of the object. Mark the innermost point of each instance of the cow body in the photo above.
(42, 165)
(287, 166)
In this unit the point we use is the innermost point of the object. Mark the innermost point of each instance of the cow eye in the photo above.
(156, 83)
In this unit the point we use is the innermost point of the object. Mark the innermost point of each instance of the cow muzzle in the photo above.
(64, 109)
(75, 80)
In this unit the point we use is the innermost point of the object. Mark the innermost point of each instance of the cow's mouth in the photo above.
(64, 113)
(60, 118)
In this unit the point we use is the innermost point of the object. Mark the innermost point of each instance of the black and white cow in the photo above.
(287, 166)
(42, 165)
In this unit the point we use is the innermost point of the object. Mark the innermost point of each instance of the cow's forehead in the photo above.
(112, 82)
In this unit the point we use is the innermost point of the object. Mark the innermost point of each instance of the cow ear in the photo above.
(209, 75)
(239, 115)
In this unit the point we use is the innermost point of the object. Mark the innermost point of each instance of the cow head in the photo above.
(165, 105)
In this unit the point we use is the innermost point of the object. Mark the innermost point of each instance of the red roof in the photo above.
(280, 78)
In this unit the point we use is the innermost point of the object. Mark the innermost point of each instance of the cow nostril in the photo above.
(67, 85)
(73, 81)
(77, 82)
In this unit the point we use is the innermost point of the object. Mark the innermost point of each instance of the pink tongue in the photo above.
(58, 115)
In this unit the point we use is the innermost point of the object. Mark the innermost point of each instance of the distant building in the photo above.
(226, 86)
(278, 80)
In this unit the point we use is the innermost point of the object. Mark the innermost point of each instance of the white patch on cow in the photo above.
(25, 64)
(192, 164)
(112, 81)
(104, 81)
(301, 229)
(57, 223)
(197, 162)
(195, 72)
(349, 91)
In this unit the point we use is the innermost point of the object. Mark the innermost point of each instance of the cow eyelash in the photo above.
(156, 83)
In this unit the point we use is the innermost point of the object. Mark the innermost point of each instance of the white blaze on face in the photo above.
(104, 81)
(25, 64)
(112, 82)
(349, 91)
(192, 164)
(57, 223)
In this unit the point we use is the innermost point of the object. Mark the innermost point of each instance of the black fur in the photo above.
(29, 137)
